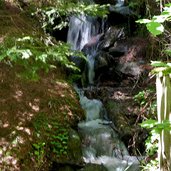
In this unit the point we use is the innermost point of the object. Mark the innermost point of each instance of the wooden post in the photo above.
(163, 89)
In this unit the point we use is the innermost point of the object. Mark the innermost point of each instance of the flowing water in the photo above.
(82, 29)
(101, 144)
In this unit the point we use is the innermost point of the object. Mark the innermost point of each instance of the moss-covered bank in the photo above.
(37, 116)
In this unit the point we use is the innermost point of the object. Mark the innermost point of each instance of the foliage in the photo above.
(155, 25)
(52, 134)
(141, 97)
(2, 3)
(35, 55)
(147, 102)
(58, 138)
(161, 68)
(151, 166)
(156, 128)
(62, 11)
(39, 152)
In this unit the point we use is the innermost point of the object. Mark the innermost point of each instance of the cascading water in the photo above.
(101, 144)
(81, 30)
(120, 3)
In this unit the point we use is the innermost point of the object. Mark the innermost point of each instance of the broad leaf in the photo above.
(143, 21)
(158, 64)
(155, 28)
(150, 123)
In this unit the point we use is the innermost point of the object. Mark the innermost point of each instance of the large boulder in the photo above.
(131, 63)
(117, 59)
(74, 147)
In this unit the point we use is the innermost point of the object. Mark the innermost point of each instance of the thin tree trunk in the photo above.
(163, 87)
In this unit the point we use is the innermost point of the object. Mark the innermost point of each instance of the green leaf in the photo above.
(155, 28)
(160, 18)
(143, 21)
(158, 64)
(26, 54)
(150, 123)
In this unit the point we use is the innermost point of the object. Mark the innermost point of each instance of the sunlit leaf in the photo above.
(150, 123)
(26, 54)
(143, 21)
(155, 28)
(158, 64)
(160, 18)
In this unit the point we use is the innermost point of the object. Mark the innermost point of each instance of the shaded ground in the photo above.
(35, 116)
(26, 108)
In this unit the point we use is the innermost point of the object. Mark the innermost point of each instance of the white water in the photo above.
(81, 31)
(101, 144)
(120, 3)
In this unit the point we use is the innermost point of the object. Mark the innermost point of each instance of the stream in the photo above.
(100, 142)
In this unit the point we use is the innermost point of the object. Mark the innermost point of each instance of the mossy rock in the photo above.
(93, 167)
(74, 146)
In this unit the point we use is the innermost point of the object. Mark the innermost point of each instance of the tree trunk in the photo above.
(163, 87)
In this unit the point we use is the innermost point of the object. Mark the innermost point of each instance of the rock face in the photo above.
(119, 58)
(118, 55)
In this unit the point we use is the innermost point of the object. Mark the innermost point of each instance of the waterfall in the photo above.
(82, 29)
(120, 3)
(101, 144)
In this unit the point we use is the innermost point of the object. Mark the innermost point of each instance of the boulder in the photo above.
(112, 35)
(93, 167)
(74, 147)
(131, 63)
(92, 43)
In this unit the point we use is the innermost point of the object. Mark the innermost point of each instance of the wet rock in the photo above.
(105, 1)
(111, 36)
(79, 62)
(93, 167)
(130, 69)
(74, 147)
(123, 10)
(123, 113)
(64, 168)
(102, 59)
(104, 67)
(134, 58)
(92, 43)
(73, 159)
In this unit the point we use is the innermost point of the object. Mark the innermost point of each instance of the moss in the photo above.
(36, 116)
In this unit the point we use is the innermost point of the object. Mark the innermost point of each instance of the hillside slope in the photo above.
(36, 116)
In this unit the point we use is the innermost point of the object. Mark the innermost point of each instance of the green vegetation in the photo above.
(53, 134)
(57, 16)
(34, 55)
(160, 128)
